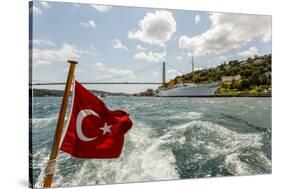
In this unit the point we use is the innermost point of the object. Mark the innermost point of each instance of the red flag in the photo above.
(94, 131)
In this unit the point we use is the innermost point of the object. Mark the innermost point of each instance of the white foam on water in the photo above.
(146, 157)
(182, 140)
(194, 115)
(217, 140)
(230, 140)
(143, 159)
(43, 122)
(40, 159)
(58, 178)
(248, 106)
(188, 115)
(235, 166)
(209, 101)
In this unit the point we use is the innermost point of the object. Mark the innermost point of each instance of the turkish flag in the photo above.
(94, 131)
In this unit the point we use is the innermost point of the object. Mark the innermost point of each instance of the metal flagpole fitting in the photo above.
(72, 62)
(50, 169)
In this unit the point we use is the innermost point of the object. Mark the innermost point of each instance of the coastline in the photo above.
(223, 95)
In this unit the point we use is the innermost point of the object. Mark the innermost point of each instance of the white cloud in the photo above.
(150, 56)
(119, 45)
(76, 5)
(41, 62)
(267, 37)
(36, 10)
(105, 72)
(189, 54)
(172, 73)
(228, 32)
(46, 56)
(184, 56)
(197, 19)
(252, 51)
(89, 51)
(89, 24)
(155, 74)
(99, 64)
(45, 4)
(139, 47)
(77, 70)
(223, 57)
(179, 57)
(155, 28)
(101, 8)
(198, 68)
(43, 42)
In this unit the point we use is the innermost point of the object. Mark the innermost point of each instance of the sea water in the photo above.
(171, 138)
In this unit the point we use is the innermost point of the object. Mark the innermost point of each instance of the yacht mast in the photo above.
(193, 74)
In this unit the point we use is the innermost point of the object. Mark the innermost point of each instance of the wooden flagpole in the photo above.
(50, 169)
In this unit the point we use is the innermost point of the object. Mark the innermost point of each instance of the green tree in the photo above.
(254, 80)
(245, 84)
(263, 80)
(236, 85)
(249, 60)
(225, 85)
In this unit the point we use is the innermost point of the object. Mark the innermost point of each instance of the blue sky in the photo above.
(113, 43)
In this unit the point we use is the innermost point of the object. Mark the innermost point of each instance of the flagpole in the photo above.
(50, 169)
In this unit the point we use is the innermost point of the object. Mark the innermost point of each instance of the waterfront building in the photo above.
(230, 78)
(179, 79)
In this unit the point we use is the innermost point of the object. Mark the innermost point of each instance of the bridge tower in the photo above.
(193, 74)
(164, 76)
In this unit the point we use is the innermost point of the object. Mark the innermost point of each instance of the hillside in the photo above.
(254, 76)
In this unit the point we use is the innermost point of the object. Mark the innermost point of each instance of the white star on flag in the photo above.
(106, 128)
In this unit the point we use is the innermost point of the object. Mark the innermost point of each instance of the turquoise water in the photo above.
(172, 138)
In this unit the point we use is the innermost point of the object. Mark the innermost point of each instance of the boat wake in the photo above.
(205, 149)
(169, 140)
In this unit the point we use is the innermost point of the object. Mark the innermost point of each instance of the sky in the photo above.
(115, 43)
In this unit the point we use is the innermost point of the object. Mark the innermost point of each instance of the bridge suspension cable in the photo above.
(135, 72)
(106, 80)
(175, 68)
(102, 83)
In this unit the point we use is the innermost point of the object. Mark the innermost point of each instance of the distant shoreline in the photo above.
(59, 93)
(221, 95)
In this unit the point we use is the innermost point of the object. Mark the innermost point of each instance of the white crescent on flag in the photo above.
(103, 137)
(81, 115)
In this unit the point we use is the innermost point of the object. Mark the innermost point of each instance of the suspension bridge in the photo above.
(107, 81)
(102, 83)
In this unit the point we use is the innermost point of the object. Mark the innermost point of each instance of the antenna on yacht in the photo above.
(193, 74)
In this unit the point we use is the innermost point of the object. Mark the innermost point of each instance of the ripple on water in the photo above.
(169, 140)
(203, 148)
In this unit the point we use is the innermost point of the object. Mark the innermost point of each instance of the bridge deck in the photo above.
(102, 83)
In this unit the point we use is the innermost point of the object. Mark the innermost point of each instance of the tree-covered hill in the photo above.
(255, 76)
(253, 69)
